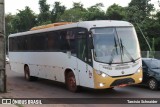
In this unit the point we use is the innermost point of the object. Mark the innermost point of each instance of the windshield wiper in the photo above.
(124, 49)
(112, 54)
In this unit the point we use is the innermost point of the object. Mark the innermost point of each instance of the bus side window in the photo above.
(70, 37)
(20, 43)
(15, 45)
(50, 42)
(81, 44)
(11, 44)
(67, 39)
(53, 39)
(28, 43)
(25, 43)
(64, 46)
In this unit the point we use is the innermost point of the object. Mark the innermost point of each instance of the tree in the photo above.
(79, 6)
(44, 15)
(8, 27)
(153, 30)
(24, 20)
(95, 12)
(139, 10)
(75, 14)
(116, 12)
(8, 24)
(57, 11)
(139, 13)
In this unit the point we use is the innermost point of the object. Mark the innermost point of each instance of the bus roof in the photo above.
(50, 25)
(83, 24)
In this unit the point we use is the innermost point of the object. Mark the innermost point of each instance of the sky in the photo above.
(12, 6)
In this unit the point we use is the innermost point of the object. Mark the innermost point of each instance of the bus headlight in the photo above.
(101, 73)
(139, 70)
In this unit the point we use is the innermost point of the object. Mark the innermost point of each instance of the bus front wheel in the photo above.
(71, 82)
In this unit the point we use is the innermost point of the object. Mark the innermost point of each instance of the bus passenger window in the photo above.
(81, 44)
(68, 40)
(70, 37)
(11, 44)
(64, 45)
(15, 45)
(51, 42)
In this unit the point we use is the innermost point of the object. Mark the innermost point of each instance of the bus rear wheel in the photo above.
(27, 74)
(71, 82)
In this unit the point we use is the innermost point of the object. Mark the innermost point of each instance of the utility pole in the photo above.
(2, 49)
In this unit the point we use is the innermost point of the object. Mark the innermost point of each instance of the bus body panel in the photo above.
(47, 65)
(40, 62)
(85, 74)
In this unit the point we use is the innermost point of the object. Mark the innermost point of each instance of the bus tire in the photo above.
(71, 82)
(27, 74)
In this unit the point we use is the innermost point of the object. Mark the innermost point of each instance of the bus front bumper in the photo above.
(108, 82)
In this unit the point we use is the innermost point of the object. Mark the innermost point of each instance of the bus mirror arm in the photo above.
(91, 44)
(90, 33)
(69, 54)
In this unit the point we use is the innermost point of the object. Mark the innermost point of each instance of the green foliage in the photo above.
(116, 12)
(78, 6)
(8, 26)
(57, 11)
(8, 23)
(139, 10)
(45, 14)
(142, 5)
(22, 21)
(75, 14)
(95, 13)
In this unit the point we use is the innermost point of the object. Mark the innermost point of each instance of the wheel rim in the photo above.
(71, 82)
(152, 84)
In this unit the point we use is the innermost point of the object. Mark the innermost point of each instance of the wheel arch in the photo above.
(74, 72)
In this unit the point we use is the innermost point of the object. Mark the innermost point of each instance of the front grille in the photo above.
(121, 76)
(123, 81)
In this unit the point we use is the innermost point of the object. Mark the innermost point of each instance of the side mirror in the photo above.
(69, 54)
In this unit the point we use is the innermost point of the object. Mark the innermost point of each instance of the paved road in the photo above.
(18, 87)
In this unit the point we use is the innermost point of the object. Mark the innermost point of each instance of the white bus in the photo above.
(94, 54)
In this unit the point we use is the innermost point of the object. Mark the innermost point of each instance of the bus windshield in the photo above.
(115, 45)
